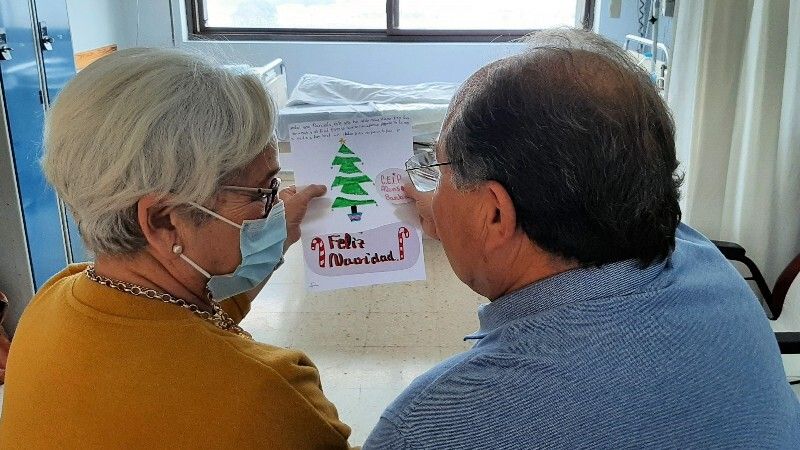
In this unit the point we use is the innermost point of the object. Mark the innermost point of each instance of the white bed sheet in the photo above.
(319, 97)
(313, 89)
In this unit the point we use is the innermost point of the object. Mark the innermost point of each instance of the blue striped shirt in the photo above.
(678, 354)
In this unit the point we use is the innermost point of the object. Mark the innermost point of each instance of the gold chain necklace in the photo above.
(217, 316)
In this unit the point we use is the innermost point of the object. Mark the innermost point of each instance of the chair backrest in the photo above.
(784, 282)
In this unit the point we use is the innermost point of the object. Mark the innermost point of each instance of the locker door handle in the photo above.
(5, 50)
(45, 41)
(5, 53)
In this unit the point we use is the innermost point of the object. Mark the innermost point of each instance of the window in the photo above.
(381, 20)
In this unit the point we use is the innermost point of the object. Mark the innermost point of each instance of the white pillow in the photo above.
(321, 90)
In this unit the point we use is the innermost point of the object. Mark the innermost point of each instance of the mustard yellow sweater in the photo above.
(93, 367)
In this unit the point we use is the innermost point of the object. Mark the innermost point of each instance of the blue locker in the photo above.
(59, 68)
(27, 85)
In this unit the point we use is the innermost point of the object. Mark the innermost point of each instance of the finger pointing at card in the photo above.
(296, 204)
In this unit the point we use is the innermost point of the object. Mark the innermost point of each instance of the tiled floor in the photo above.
(368, 343)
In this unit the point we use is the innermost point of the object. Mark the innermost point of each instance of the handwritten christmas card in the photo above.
(364, 231)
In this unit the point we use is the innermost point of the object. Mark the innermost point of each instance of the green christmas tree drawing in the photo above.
(349, 180)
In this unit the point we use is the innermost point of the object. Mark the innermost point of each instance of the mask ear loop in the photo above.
(178, 250)
(213, 214)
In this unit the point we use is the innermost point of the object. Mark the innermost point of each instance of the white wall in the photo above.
(368, 62)
(96, 23)
(155, 22)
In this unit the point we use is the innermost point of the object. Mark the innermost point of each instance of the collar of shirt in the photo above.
(585, 283)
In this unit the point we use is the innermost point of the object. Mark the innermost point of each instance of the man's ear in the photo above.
(157, 222)
(501, 216)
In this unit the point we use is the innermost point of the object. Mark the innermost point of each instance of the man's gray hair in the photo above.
(578, 135)
(568, 41)
(144, 121)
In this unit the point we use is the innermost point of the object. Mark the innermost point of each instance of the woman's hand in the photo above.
(296, 204)
(423, 203)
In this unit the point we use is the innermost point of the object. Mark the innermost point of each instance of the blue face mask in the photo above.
(261, 243)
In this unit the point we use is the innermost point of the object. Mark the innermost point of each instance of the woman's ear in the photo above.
(157, 222)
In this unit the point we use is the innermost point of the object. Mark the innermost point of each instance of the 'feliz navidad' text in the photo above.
(349, 242)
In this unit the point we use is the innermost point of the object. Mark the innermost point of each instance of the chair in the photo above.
(788, 342)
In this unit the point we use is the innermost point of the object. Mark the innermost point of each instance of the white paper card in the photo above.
(363, 231)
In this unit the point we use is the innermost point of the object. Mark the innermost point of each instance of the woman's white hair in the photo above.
(143, 121)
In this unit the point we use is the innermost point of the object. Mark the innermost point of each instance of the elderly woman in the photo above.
(169, 166)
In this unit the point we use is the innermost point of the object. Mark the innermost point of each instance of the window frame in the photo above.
(198, 31)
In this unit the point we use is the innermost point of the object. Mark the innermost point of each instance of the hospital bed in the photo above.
(272, 77)
(645, 60)
(318, 97)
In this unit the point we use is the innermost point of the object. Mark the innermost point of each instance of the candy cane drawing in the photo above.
(402, 233)
(319, 244)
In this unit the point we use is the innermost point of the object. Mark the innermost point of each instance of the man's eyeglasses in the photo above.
(423, 169)
(269, 195)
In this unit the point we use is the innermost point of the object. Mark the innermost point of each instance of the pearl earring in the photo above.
(177, 249)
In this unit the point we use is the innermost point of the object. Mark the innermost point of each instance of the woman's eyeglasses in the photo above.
(268, 195)
(423, 169)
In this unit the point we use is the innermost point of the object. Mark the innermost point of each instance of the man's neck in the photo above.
(528, 265)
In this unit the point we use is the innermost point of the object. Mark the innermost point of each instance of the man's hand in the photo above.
(296, 204)
(424, 209)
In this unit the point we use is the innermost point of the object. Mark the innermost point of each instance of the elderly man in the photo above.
(610, 324)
